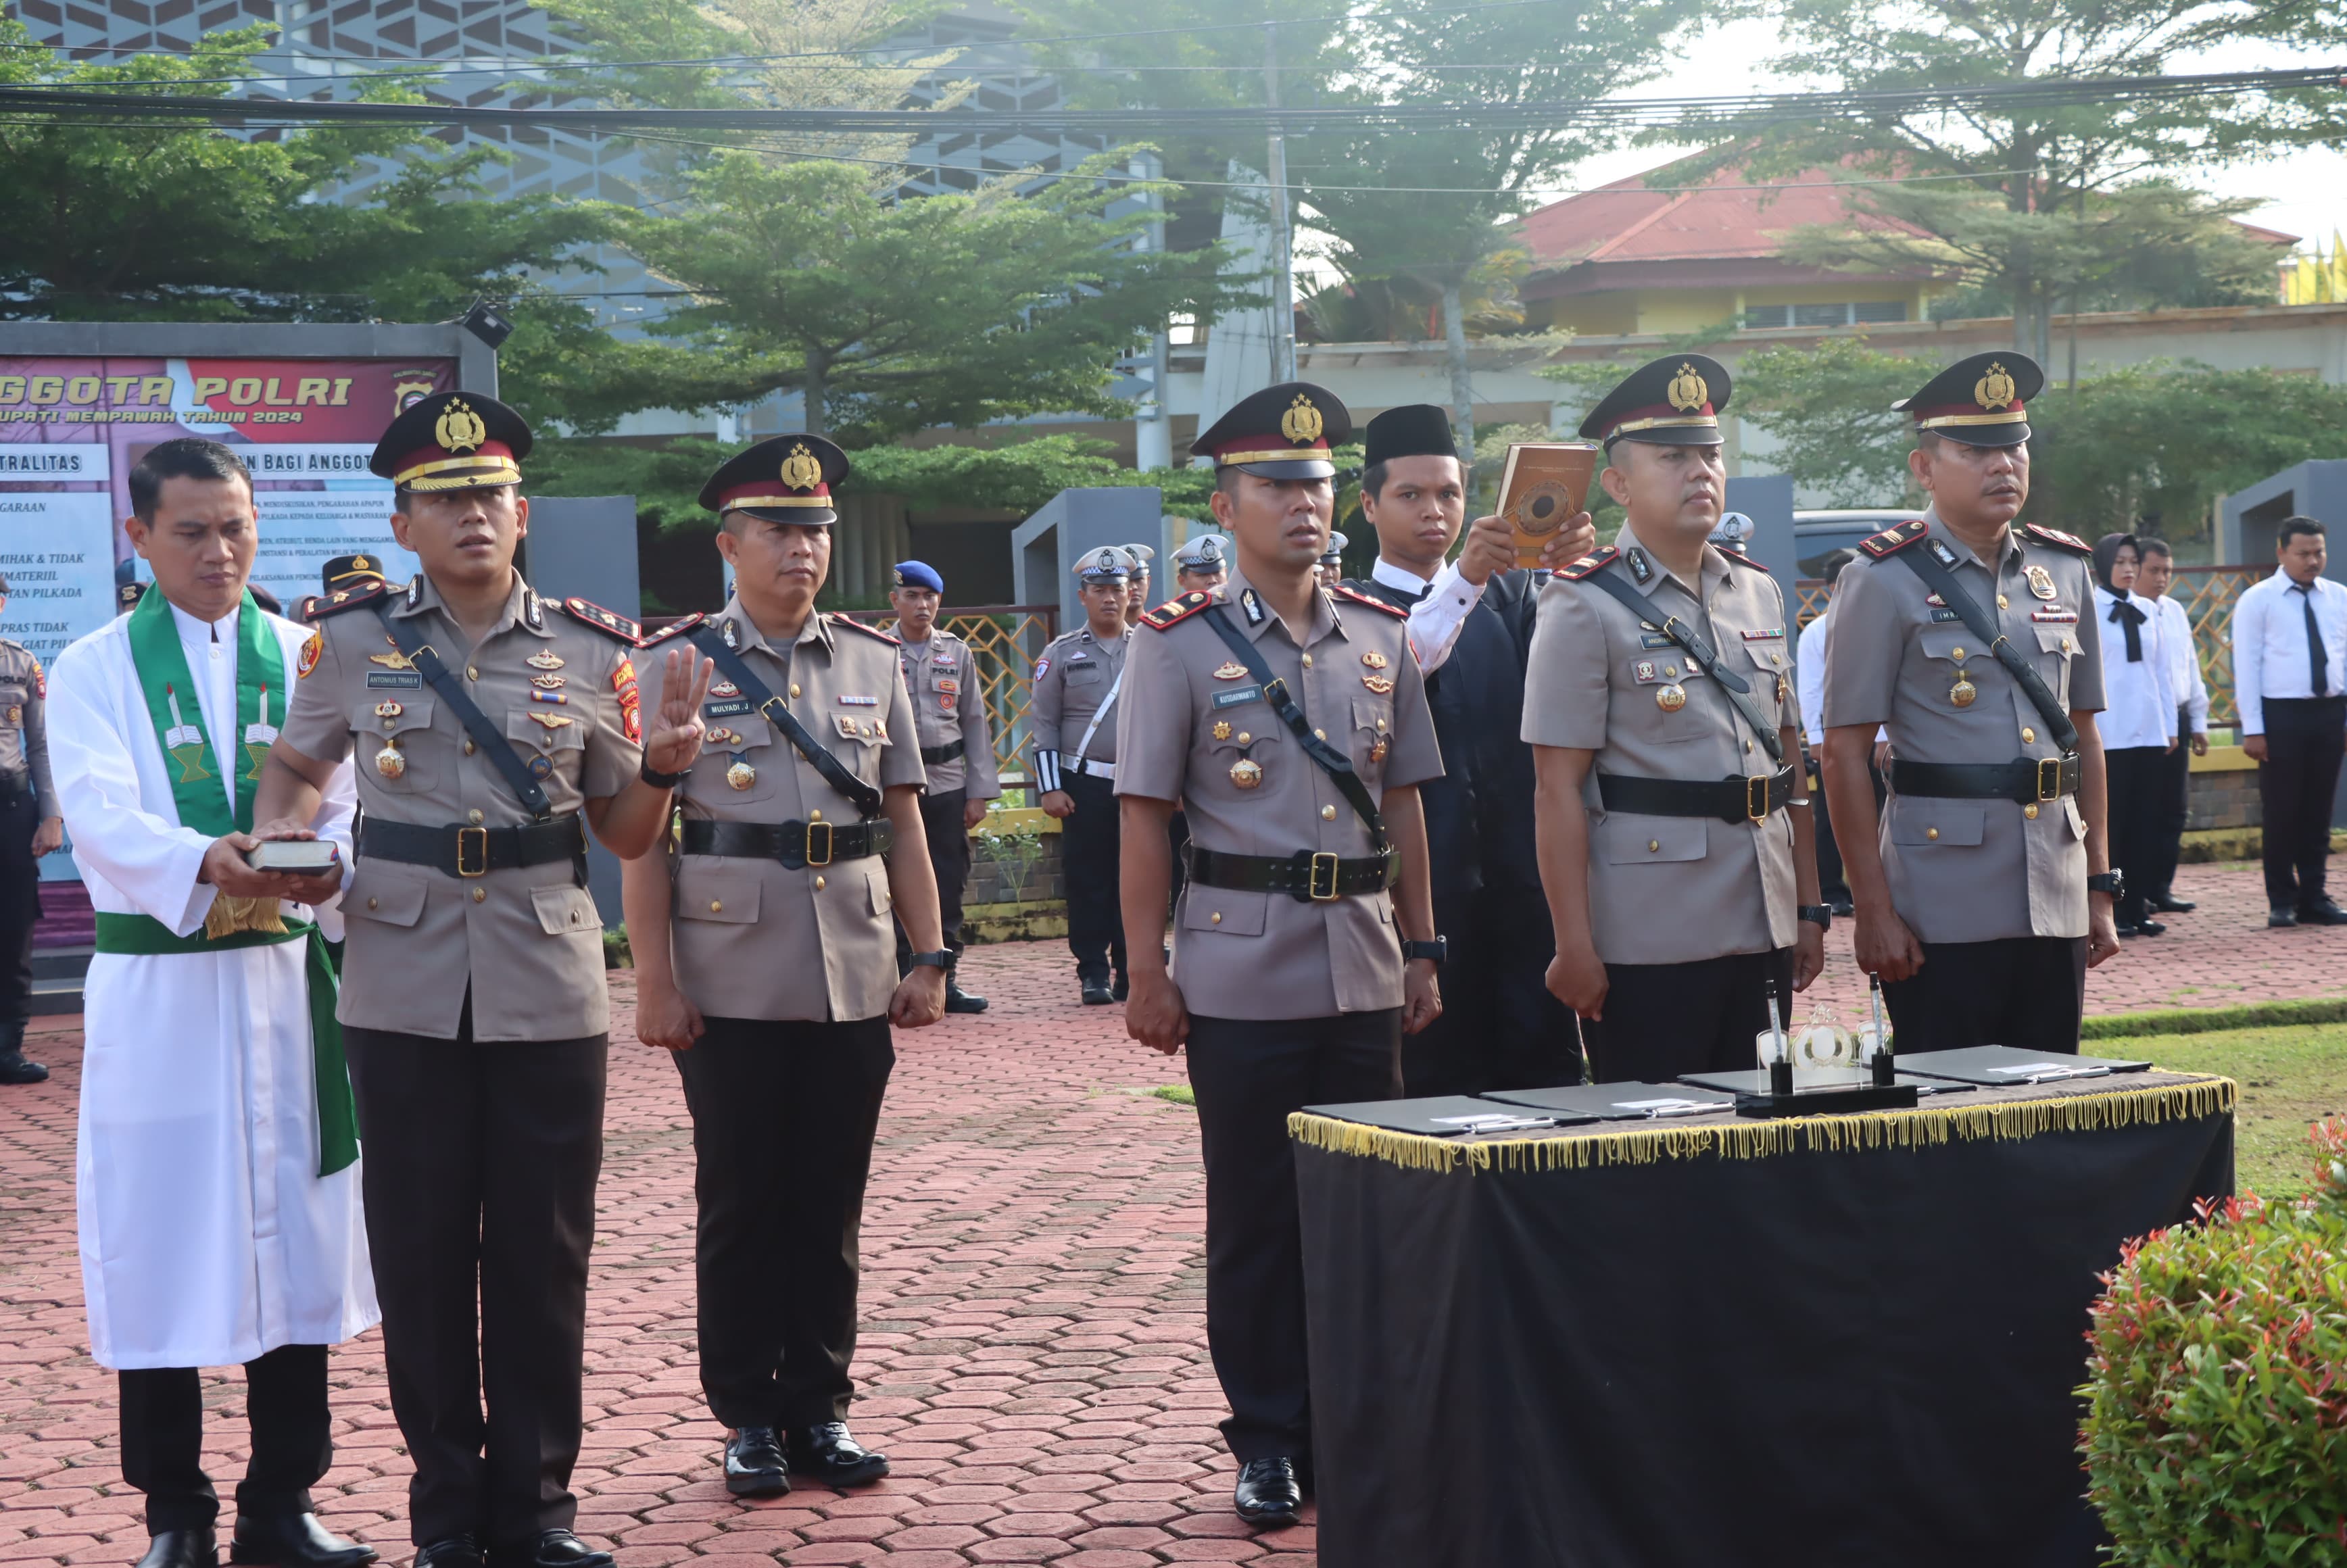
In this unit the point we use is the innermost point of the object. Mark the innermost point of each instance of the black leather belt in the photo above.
(2028, 780)
(950, 752)
(797, 845)
(475, 851)
(1730, 800)
(1307, 877)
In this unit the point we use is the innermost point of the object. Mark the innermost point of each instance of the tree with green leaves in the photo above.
(890, 315)
(2061, 194)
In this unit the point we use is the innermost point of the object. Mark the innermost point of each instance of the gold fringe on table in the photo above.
(228, 916)
(1644, 1144)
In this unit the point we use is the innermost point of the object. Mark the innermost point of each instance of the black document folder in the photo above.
(1617, 1102)
(1449, 1116)
(2008, 1064)
(1816, 1080)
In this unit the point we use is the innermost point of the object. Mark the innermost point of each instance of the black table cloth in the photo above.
(1823, 1341)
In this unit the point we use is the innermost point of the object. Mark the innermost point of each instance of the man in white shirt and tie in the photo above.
(2138, 724)
(1809, 686)
(2152, 581)
(2290, 684)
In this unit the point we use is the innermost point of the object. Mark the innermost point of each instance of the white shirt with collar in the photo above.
(2139, 703)
(2184, 683)
(1440, 615)
(1810, 677)
(2270, 653)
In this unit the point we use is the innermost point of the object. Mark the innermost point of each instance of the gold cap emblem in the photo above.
(359, 563)
(1687, 390)
(802, 470)
(459, 430)
(1302, 422)
(1995, 390)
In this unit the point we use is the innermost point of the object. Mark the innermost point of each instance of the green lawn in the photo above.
(2289, 1076)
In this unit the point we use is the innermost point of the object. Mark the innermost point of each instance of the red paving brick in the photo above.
(1032, 1355)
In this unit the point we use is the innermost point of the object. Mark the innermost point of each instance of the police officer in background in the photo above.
(30, 827)
(1293, 722)
(1072, 714)
(1331, 572)
(1470, 626)
(1201, 565)
(1674, 816)
(762, 955)
(1136, 587)
(957, 748)
(493, 730)
(1988, 893)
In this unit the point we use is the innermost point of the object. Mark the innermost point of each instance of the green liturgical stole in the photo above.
(203, 802)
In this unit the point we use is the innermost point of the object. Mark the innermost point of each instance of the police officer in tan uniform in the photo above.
(1201, 565)
(1673, 822)
(1073, 718)
(764, 962)
(957, 745)
(1291, 721)
(30, 826)
(1989, 893)
(1136, 586)
(492, 730)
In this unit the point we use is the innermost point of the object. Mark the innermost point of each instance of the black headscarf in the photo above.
(2125, 614)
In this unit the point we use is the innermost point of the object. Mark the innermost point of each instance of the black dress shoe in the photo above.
(1097, 994)
(182, 1549)
(1842, 907)
(14, 1069)
(548, 1549)
(1268, 1492)
(1121, 988)
(961, 1000)
(2280, 915)
(293, 1540)
(2325, 913)
(2143, 928)
(450, 1552)
(755, 1466)
(827, 1453)
(2170, 903)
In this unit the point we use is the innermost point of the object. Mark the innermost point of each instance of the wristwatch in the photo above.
(1437, 950)
(658, 780)
(1818, 915)
(940, 959)
(2111, 882)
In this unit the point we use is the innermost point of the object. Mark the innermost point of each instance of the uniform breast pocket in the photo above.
(724, 891)
(546, 744)
(869, 732)
(738, 763)
(566, 910)
(391, 743)
(1774, 687)
(1656, 694)
(13, 697)
(1373, 735)
(2058, 645)
(1242, 749)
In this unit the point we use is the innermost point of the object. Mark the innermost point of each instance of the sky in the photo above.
(2304, 193)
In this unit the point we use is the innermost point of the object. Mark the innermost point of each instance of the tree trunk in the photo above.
(815, 386)
(1462, 385)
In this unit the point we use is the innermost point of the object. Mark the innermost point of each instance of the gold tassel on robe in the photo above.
(228, 916)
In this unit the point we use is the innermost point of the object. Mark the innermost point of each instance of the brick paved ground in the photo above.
(1034, 1352)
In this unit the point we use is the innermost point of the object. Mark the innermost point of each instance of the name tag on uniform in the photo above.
(728, 710)
(1237, 695)
(1654, 640)
(1947, 615)
(2059, 617)
(848, 702)
(402, 680)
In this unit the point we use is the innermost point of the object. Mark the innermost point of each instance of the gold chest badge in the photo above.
(741, 776)
(1247, 773)
(1671, 698)
(1380, 684)
(1373, 660)
(389, 762)
(1230, 671)
(1222, 729)
(545, 659)
(2041, 583)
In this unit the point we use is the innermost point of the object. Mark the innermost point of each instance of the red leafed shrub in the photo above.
(2216, 1426)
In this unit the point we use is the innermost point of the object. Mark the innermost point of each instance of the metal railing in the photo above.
(2207, 593)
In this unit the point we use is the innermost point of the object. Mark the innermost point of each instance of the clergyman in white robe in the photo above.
(207, 1236)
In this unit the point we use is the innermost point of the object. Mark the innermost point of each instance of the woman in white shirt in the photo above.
(2138, 724)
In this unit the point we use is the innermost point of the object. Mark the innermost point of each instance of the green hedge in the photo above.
(2203, 1020)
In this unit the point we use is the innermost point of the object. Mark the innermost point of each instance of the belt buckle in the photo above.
(2049, 784)
(811, 858)
(464, 835)
(1322, 873)
(1756, 798)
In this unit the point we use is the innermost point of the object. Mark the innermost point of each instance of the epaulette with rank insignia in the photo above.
(1739, 557)
(1175, 610)
(343, 598)
(1590, 564)
(603, 620)
(868, 630)
(1897, 537)
(2058, 538)
(677, 628)
(1355, 595)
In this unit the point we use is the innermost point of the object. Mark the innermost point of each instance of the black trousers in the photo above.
(1833, 886)
(1664, 1019)
(20, 908)
(948, 843)
(2027, 992)
(481, 1163)
(2138, 775)
(163, 1438)
(1089, 862)
(783, 1120)
(1500, 1028)
(2175, 792)
(1247, 1075)
(2297, 781)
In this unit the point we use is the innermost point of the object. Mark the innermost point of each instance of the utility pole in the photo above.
(1283, 237)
